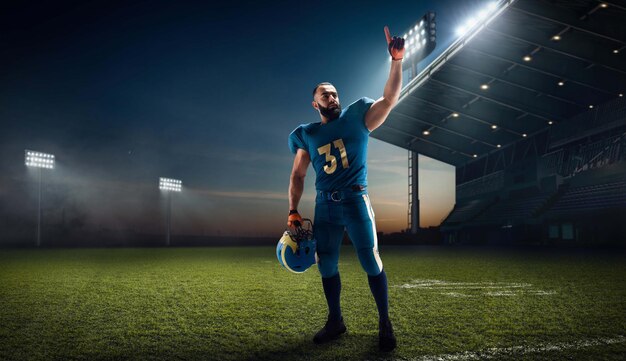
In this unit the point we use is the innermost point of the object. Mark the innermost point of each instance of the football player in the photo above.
(337, 148)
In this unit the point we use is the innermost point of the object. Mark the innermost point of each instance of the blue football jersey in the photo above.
(338, 149)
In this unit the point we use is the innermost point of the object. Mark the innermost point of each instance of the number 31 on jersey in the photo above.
(325, 150)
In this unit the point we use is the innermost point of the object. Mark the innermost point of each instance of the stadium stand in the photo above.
(601, 188)
(590, 198)
(485, 185)
(516, 210)
(468, 210)
(529, 107)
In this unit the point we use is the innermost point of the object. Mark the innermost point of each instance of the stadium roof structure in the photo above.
(530, 65)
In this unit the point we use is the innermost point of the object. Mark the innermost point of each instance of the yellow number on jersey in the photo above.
(325, 149)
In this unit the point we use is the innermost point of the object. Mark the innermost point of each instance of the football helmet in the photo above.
(296, 251)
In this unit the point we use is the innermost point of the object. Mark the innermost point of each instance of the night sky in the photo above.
(125, 92)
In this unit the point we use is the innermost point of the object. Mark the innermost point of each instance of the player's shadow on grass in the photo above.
(347, 347)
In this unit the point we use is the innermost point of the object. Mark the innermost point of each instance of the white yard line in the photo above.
(456, 294)
(541, 293)
(407, 285)
(491, 288)
(501, 293)
(512, 352)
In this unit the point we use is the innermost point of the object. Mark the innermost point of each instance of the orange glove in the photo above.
(395, 45)
(294, 220)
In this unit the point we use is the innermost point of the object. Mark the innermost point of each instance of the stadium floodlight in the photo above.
(169, 185)
(480, 17)
(420, 41)
(40, 161)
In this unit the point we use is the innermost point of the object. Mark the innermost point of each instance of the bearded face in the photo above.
(331, 112)
(326, 101)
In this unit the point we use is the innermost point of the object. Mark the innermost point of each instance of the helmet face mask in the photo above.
(296, 252)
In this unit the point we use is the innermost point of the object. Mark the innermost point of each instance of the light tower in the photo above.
(40, 161)
(169, 185)
(420, 41)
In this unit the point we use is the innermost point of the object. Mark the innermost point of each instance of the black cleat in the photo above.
(331, 331)
(386, 339)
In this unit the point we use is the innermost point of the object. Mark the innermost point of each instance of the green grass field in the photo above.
(238, 304)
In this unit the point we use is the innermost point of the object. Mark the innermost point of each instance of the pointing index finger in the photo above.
(387, 35)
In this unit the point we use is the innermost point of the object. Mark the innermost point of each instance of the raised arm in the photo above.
(381, 108)
(296, 184)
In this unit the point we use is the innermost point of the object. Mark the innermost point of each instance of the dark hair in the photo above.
(320, 84)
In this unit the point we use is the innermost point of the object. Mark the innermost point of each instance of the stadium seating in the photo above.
(589, 198)
(517, 210)
(467, 210)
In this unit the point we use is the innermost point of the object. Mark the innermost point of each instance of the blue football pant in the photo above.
(355, 215)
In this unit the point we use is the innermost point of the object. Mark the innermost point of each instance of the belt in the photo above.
(338, 195)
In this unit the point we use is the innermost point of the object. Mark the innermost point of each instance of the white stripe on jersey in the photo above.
(370, 212)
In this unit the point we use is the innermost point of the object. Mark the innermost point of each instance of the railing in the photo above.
(575, 159)
(601, 153)
(489, 183)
